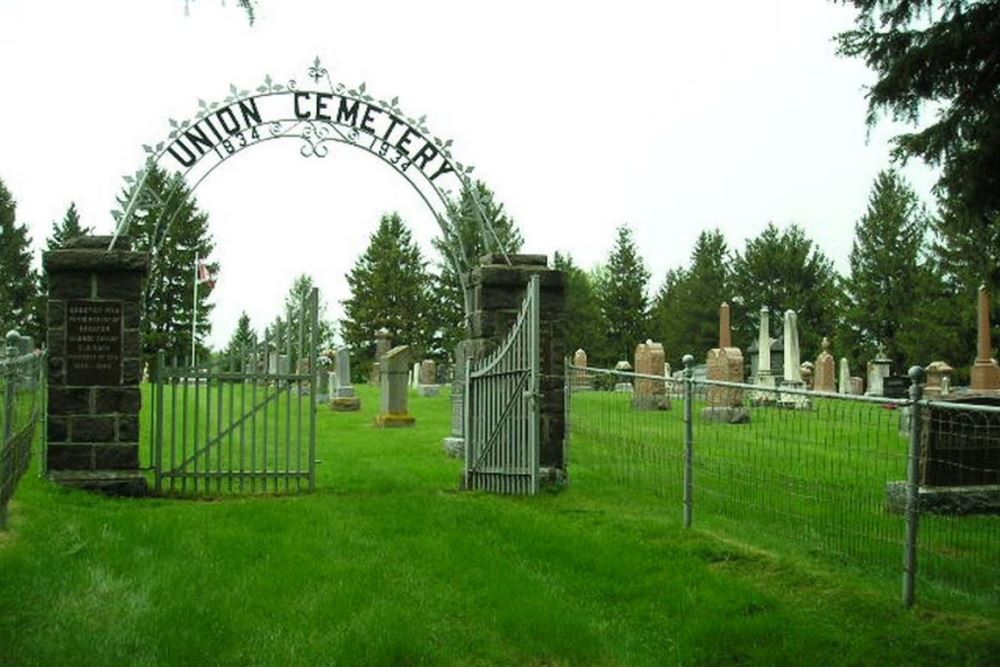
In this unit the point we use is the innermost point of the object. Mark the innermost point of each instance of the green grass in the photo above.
(387, 564)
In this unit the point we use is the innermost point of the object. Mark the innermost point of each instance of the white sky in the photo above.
(672, 116)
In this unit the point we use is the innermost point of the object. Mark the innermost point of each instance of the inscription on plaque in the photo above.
(93, 343)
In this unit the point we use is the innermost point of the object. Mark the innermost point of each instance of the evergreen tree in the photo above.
(390, 288)
(68, 228)
(18, 280)
(242, 340)
(465, 249)
(686, 309)
(785, 270)
(622, 297)
(942, 57)
(170, 227)
(883, 306)
(298, 294)
(584, 324)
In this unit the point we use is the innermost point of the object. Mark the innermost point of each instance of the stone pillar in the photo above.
(844, 386)
(793, 361)
(393, 409)
(498, 289)
(985, 372)
(95, 365)
(725, 332)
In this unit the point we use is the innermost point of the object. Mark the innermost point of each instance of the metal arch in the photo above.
(316, 72)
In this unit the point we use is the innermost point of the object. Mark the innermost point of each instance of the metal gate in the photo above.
(246, 423)
(502, 409)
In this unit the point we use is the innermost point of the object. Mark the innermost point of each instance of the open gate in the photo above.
(502, 401)
(245, 424)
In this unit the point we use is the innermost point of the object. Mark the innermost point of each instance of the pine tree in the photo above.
(465, 249)
(171, 228)
(785, 270)
(584, 325)
(242, 339)
(18, 280)
(622, 296)
(390, 288)
(686, 309)
(68, 228)
(298, 294)
(886, 266)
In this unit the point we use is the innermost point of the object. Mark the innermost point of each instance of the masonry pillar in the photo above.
(95, 365)
(498, 289)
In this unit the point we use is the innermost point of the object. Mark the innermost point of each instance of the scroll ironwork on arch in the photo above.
(318, 114)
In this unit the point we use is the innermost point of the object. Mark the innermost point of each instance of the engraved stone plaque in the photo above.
(93, 342)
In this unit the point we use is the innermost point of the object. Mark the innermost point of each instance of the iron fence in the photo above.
(886, 487)
(22, 383)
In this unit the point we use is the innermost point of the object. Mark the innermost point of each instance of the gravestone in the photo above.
(415, 375)
(879, 369)
(792, 367)
(581, 382)
(624, 382)
(938, 379)
(896, 386)
(342, 399)
(428, 378)
(650, 394)
(806, 372)
(393, 408)
(284, 364)
(844, 386)
(857, 385)
(454, 444)
(824, 378)
(764, 368)
(725, 364)
(985, 371)
(383, 343)
(95, 365)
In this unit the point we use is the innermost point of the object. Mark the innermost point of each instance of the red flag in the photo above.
(205, 274)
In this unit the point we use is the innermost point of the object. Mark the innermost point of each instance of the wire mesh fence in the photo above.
(803, 473)
(22, 389)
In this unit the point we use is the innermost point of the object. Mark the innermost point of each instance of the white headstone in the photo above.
(764, 343)
(343, 380)
(792, 358)
(844, 386)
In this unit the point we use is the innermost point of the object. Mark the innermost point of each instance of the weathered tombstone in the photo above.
(284, 364)
(624, 383)
(342, 398)
(95, 365)
(844, 386)
(272, 363)
(383, 343)
(857, 385)
(650, 394)
(792, 366)
(879, 369)
(581, 382)
(393, 408)
(323, 362)
(824, 378)
(454, 444)
(428, 378)
(806, 370)
(725, 364)
(415, 375)
(985, 371)
(938, 379)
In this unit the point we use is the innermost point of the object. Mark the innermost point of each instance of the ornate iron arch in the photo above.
(322, 114)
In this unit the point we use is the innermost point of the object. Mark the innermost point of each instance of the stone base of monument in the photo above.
(427, 390)
(623, 388)
(651, 402)
(454, 447)
(726, 415)
(121, 483)
(345, 404)
(950, 500)
(793, 401)
(394, 421)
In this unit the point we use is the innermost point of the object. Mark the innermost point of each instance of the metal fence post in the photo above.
(11, 370)
(688, 439)
(912, 487)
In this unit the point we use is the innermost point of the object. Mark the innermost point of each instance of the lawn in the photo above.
(387, 564)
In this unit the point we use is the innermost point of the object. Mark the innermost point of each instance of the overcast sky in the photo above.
(580, 116)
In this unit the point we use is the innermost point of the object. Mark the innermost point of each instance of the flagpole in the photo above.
(194, 316)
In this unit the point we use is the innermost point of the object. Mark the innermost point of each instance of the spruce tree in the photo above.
(584, 324)
(173, 230)
(68, 228)
(241, 341)
(465, 249)
(622, 297)
(298, 294)
(390, 288)
(785, 270)
(886, 262)
(18, 280)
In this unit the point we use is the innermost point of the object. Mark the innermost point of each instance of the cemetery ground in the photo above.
(387, 563)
